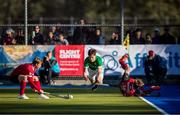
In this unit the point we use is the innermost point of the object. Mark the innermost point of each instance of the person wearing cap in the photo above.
(155, 68)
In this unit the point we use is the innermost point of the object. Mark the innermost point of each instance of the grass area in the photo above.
(104, 100)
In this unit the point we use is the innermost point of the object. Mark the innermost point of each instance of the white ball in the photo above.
(70, 97)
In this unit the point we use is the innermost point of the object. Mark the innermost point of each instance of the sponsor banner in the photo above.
(112, 53)
(70, 59)
(13, 55)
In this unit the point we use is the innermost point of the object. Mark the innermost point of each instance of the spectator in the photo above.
(51, 40)
(148, 39)
(20, 40)
(114, 39)
(37, 37)
(155, 67)
(80, 33)
(70, 37)
(99, 38)
(167, 38)
(50, 69)
(9, 39)
(137, 39)
(91, 36)
(61, 40)
(156, 39)
(55, 32)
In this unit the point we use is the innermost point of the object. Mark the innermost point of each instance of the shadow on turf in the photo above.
(75, 108)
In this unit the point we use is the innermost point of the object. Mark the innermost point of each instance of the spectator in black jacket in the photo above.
(37, 37)
(155, 68)
(137, 39)
(148, 39)
(115, 39)
(167, 38)
(157, 37)
(80, 33)
(20, 40)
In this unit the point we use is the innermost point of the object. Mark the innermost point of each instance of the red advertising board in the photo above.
(70, 59)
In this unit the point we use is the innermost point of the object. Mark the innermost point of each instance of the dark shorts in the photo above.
(14, 79)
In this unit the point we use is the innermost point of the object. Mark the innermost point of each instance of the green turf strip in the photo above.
(104, 100)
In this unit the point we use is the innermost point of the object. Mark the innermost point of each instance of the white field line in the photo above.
(156, 107)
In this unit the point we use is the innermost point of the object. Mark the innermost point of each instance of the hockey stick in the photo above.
(56, 95)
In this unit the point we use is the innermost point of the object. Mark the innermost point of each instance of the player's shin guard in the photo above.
(22, 87)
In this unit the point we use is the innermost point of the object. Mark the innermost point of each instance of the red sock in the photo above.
(22, 87)
(32, 84)
(38, 84)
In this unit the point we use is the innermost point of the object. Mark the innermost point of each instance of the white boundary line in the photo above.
(156, 107)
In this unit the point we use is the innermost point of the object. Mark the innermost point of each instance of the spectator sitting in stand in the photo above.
(37, 37)
(61, 40)
(55, 32)
(9, 39)
(81, 33)
(167, 38)
(20, 40)
(156, 39)
(51, 40)
(99, 38)
(148, 39)
(137, 39)
(115, 39)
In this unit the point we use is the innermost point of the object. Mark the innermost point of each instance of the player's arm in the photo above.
(86, 74)
(86, 65)
(100, 70)
(99, 77)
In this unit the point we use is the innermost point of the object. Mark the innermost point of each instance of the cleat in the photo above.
(42, 96)
(23, 97)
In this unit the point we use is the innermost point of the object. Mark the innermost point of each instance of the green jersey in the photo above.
(93, 65)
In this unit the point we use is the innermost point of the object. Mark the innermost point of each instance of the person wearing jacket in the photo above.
(155, 68)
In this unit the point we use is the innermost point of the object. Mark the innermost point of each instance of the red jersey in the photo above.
(24, 69)
(123, 64)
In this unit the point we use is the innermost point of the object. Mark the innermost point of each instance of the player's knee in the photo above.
(35, 78)
(22, 78)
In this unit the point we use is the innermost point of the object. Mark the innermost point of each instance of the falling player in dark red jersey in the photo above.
(125, 77)
(25, 73)
(125, 66)
(135, 87)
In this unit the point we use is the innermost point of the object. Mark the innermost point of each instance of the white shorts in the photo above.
(93, 74)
